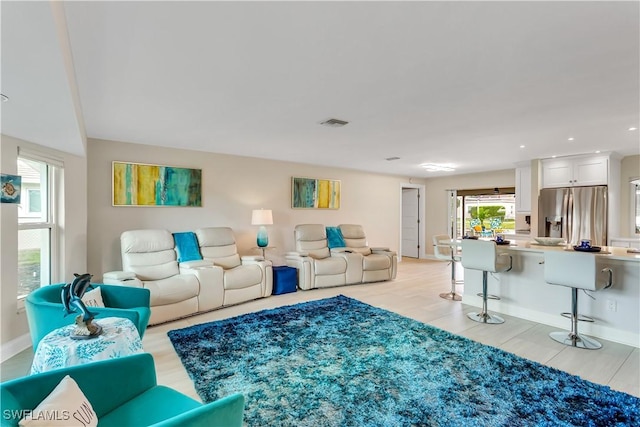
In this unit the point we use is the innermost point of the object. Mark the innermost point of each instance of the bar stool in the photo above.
(446, 252)
(576, 271)
(483, 255)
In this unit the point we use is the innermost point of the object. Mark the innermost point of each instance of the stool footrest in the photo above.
(581, 318)
(495, 297)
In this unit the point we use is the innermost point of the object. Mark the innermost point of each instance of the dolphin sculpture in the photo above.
(72, 293)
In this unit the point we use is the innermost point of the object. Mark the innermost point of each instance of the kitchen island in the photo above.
(525, 294)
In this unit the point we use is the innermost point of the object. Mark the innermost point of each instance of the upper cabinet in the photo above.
(523, 189)
(575, 171)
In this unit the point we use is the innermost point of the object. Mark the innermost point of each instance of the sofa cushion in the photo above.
(154, 405)
(93, 298)
(174, 289)
(376, 262)
(330, 266)
(219, 245)
(66, 406)
(242, 277)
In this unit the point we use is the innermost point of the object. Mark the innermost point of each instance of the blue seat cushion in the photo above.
(335, 238)
(154, 405)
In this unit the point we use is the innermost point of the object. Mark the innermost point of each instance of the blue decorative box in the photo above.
(285, 280)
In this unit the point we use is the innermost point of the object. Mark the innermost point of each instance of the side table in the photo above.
(57, 349)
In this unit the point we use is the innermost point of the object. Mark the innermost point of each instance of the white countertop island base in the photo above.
(525, 294)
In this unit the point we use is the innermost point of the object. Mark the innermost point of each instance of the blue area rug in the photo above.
(340, 362)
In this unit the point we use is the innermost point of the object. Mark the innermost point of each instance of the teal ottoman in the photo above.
(285, 280)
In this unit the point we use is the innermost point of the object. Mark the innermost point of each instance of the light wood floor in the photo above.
(413, 294)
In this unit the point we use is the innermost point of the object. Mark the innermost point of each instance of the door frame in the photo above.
(421, 217)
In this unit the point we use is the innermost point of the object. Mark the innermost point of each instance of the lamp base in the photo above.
(263, 238)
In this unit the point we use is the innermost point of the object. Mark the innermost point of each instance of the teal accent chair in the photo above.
(123, 392)
(45, 311)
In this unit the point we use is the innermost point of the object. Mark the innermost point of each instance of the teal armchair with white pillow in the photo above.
(45, 311)
(122, 392)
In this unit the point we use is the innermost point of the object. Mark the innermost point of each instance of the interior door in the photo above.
(410, 222)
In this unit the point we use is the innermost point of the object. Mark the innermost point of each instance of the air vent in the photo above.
(335, 123)
(392, 158)
(4, 97)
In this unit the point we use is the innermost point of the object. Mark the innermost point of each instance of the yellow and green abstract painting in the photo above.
(137, 184)
(308, 193)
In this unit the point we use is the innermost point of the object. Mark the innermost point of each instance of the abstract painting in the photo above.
(309, 193)
(138, 184)
(10, 188)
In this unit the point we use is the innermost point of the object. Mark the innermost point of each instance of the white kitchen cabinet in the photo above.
(523, 190)
(575, 171)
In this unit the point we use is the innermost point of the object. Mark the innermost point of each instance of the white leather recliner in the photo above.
(244, 278)
(378, 264)
(317, 265)
(149, 261)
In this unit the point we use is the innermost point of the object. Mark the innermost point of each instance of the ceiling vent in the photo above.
(334, 123)
(390, 159)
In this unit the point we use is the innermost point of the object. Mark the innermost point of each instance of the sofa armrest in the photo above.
(251, 259)
(296, 254)
(122, 278)
(196, 264)
(380, 249)
(211, 279)
(340, 250)
(227, 412)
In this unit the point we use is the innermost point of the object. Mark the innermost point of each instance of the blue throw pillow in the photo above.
(187, 246)
(335, 238)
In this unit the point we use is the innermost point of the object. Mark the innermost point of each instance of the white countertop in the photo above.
(607, 251)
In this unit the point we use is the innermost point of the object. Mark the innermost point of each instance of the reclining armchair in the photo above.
(122, 392)
(378, 264)
(244, 278)
(45, 310)
(318, 266)
(149, 260)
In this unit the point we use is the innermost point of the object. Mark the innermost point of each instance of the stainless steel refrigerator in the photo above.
(574, 213)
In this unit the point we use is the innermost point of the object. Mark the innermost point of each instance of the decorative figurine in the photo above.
(72, 301)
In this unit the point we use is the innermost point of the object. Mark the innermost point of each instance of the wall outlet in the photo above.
(612, 305)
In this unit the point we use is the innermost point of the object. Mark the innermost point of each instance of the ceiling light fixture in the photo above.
(4, 97)
(597, 151)
(522, 146)
(632, 128)
(553, 157)
(334, 123)
(571, 139)
(432, 167)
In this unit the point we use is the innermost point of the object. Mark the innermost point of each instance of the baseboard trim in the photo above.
(15, 346)
(592, 329)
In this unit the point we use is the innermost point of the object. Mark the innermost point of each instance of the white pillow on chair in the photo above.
(65, 406)
(93, 298)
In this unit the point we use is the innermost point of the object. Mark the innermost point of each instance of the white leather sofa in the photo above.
(378, 264)
(149, 260)
(318, 266)
(244, 278)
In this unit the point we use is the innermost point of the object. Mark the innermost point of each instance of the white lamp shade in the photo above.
(261, 217)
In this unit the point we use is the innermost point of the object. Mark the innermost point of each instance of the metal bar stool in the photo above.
(483, 255)
(576, 271)
(446, 252)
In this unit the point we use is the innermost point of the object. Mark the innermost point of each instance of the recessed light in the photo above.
(553, 157)
(431, 167)
(571, 139)
(522, 146)
(633, 128)
(597, 151)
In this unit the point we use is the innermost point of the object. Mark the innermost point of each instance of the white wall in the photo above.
(73, 231)
(232, 187)
(436, 198)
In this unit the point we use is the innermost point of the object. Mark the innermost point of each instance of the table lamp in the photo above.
(262, 217)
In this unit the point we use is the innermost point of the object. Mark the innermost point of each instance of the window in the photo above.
(37, 226)
(483, 212)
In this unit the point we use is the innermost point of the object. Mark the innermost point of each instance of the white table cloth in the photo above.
(57, 349)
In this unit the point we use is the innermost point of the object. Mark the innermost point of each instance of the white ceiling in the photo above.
(459, 83)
